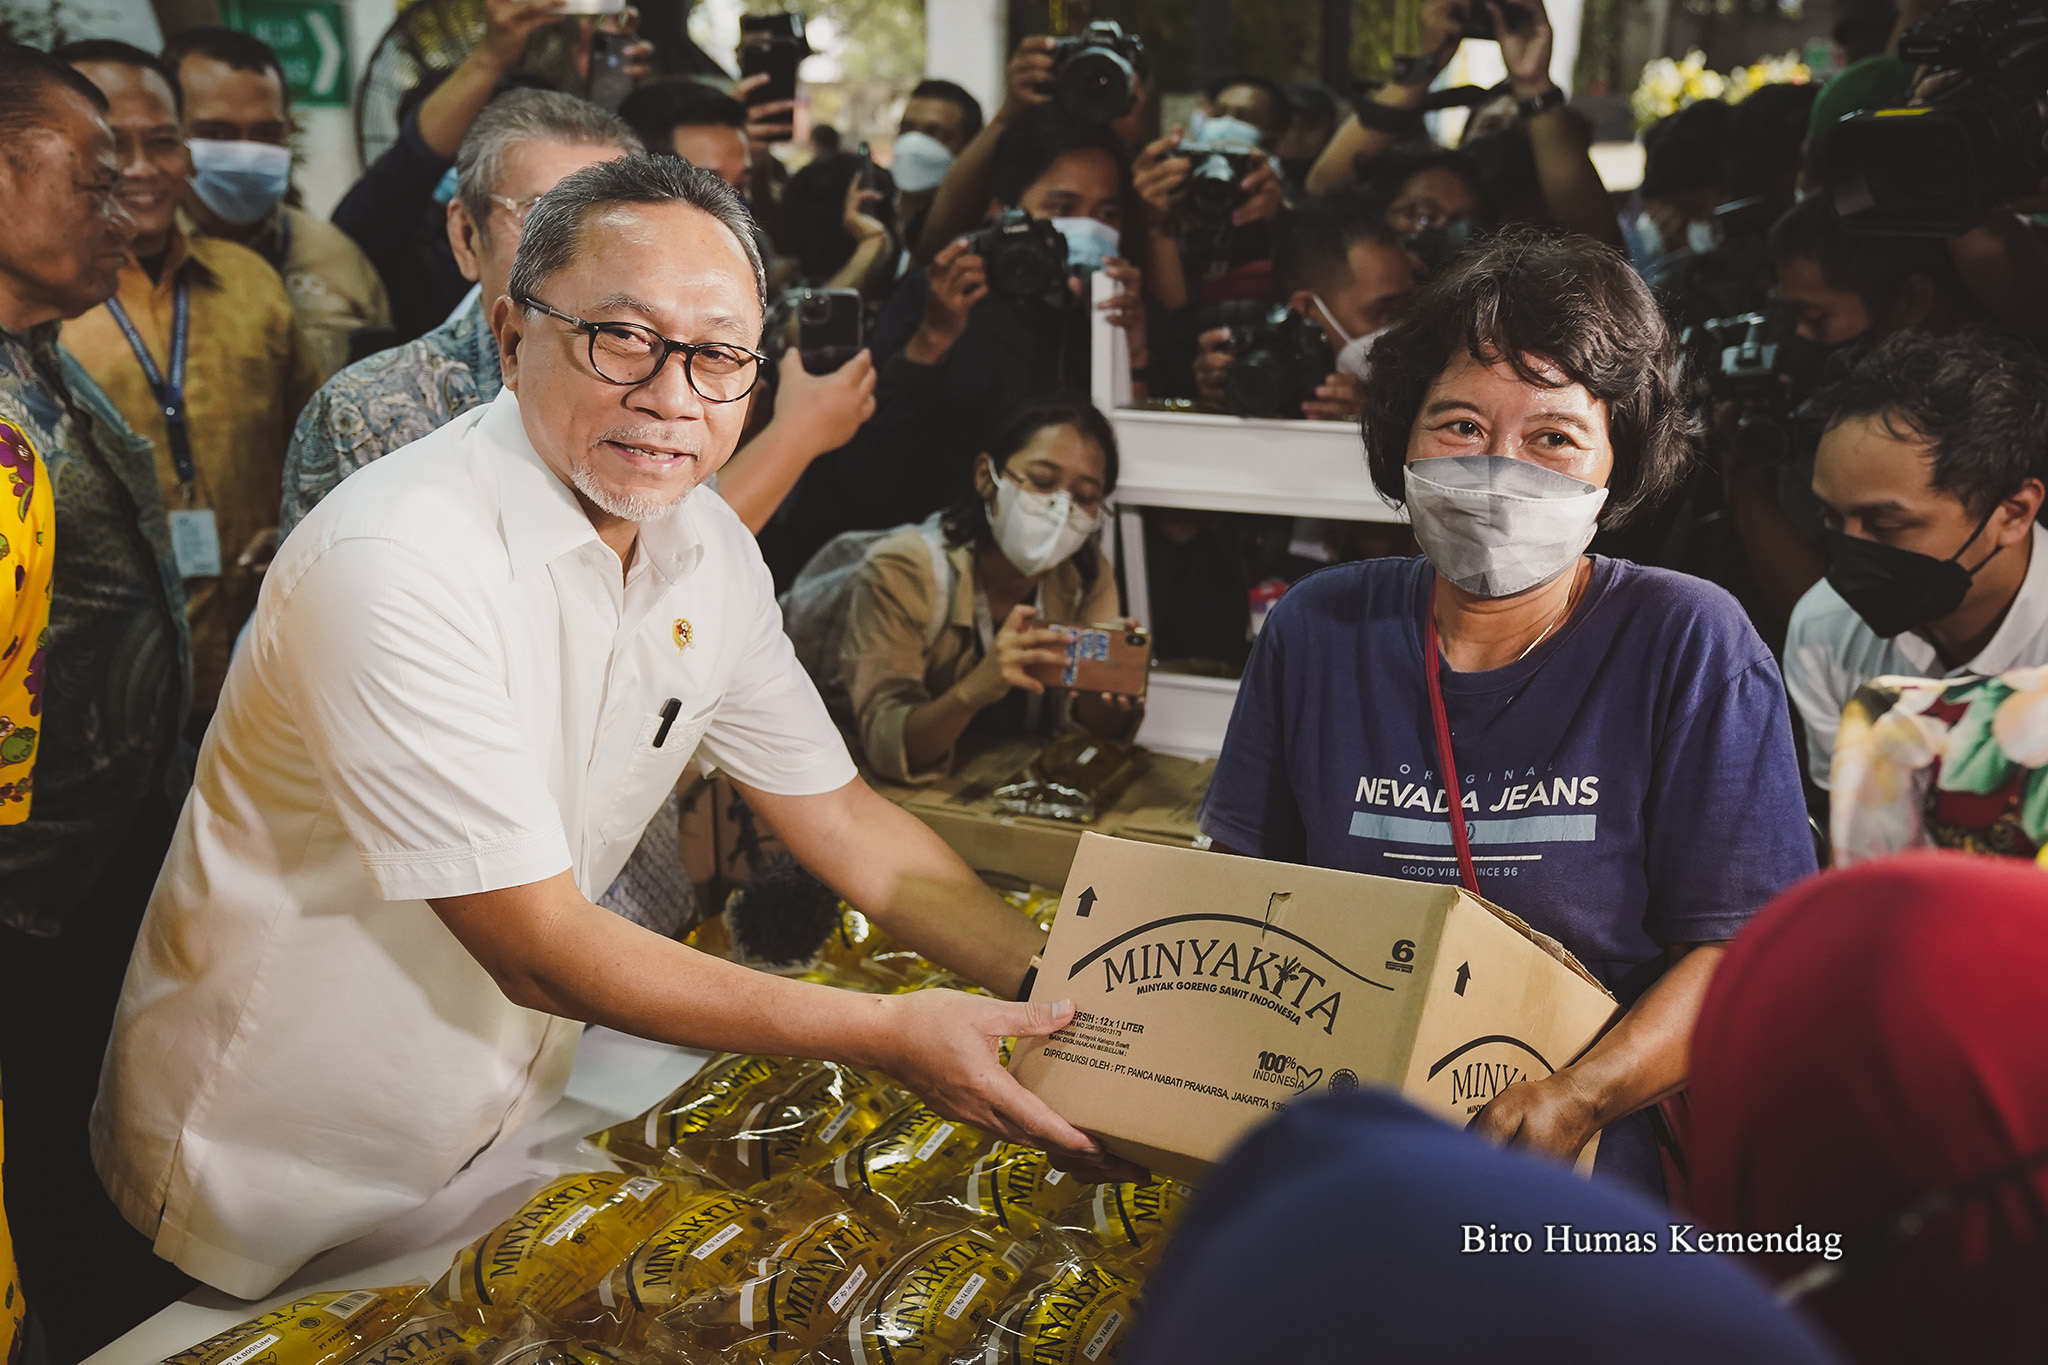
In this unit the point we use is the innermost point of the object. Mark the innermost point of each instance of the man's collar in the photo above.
(181, 251)
(542, 519)
(2014, 643)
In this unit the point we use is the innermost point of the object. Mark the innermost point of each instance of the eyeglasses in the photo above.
(516, 209)
(625, 354)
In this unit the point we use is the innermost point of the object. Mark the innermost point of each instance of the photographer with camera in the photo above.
(1572, 195)
(1932, 471)
(1342, 277)
(1834, 289)
(1097, 78)
(1211, 199)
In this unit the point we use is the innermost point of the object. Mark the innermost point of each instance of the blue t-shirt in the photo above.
(1630, 785)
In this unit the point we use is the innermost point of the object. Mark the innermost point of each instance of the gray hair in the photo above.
(555, 227)
(528, 116)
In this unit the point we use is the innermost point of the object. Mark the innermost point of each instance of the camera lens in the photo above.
(815, 308)
(1256, 385)
(1095, 85)
(1022, 272)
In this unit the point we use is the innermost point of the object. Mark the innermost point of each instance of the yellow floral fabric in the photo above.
(13, 1308)
(27, 550)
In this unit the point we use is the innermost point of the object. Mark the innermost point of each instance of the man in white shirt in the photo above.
(1931, 474)
(476, 670)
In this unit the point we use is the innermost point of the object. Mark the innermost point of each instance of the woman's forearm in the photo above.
(963, 194)
(1354, 143)
(934, 727)
(1572, 189)
(1644, 1058)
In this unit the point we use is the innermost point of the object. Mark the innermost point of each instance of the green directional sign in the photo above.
(311, 38)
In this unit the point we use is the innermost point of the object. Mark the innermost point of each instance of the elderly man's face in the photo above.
(67, 233)
(531, 169)
(633, 450)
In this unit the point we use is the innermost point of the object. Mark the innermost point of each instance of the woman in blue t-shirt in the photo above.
(1620, 736)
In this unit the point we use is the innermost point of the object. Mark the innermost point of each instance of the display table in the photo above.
(616, 1077)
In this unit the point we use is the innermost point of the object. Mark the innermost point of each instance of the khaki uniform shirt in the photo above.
(887, 671)
(248, 371)
(332, 285)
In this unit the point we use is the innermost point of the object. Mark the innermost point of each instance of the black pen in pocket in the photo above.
(669, 711)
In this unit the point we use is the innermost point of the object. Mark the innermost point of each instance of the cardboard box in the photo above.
(1160, 807)
(1213, 989)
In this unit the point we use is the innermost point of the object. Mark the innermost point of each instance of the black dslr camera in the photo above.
(1939, 169)
(1760, 361)
(1095, 75)
(1215, 184)
(1282, 358)
(1026, 258)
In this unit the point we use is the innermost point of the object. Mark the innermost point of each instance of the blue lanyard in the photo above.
(170, 395)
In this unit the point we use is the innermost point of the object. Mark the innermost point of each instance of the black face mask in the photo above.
(1895, 590)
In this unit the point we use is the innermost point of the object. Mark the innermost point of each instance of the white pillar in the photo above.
(1565, 17)
(963, 42)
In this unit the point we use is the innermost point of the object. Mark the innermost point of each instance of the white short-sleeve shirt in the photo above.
(1829, 653)
(449, 687)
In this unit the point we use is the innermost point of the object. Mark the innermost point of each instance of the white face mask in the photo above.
(1090, 241)
(1497, 527)
(1353, 356)
(919, 163)
(240, 181)
(1037, 530)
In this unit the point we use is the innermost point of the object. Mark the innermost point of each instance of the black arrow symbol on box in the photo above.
(1464, 975)
(1085, 903)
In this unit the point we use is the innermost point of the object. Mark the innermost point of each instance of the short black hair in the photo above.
(28, 76)
(1040, 136)
(1978, 397)
(230, 46)
(966, 521)
(1873, 268)
(1391, 175)
(1528, 294)
(1682, 151)
(125, 54)
(952, 93)
(825, 138)
(814, 212)
(1282, 110)
(1316, 240)
(1314, 102)
(1764, 140)
(655, 110)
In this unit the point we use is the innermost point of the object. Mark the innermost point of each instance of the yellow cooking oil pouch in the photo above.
(1013, 1186)
(722, 1086)
(806, 1126)
(1131, 1219)
(934, 1297)
(315, 1330)
(912, 1153)
(1079, 1313)
(451, 1338)
(560, 1243)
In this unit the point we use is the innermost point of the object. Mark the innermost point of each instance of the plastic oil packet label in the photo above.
(933, 1298)
(316, 1330)
(1077, 1316)
(725, 1085)
(561, 1243)
(913, 1153)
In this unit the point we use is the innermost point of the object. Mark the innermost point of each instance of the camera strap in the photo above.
(1432, 665)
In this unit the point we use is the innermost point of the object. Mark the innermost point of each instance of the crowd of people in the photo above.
(333, 796)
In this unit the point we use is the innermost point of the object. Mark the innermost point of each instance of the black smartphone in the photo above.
(609, 83)
(774, 45)
(828, 328)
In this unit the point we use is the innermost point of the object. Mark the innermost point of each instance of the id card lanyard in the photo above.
(1432, 665)
(195, 534)
(170, 393)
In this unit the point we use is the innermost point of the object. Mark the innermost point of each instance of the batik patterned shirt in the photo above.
(28, 547)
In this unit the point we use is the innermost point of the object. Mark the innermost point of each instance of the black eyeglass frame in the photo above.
(688, 349)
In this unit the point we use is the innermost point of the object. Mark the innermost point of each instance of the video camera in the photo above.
(1026, 258)
(1939, 169)
(1760, 361)
(1223, 151)
(1282, 358)
(1095, 75)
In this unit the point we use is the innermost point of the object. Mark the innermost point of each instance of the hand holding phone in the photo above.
(772, 45)
(1114, 658)
(828, 328)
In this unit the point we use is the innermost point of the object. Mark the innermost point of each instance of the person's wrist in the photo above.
(1538, 89)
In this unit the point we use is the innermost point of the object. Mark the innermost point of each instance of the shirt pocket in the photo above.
(651, 773)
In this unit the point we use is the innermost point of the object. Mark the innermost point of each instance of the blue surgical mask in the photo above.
(919, 162)
(240, 181)
(1090, 241)
(1222, 132)
(445, 191)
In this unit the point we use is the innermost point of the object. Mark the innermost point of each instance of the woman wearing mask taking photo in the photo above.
(946, 616)
(1624, 771)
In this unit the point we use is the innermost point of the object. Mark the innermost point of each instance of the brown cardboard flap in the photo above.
(1543, 941)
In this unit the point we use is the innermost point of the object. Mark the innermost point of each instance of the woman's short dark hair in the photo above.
(1526, 296)
(966, 521)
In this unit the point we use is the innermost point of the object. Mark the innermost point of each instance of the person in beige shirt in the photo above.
(247, 368)
(239, 121)
(1021, 550)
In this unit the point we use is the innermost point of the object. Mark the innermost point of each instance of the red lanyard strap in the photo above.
(1432, 663)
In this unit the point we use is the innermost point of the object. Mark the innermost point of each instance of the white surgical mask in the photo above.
(240, 181)
(1496, 526)
(1221, 132)
(919, 162)
(1352, 356)
(1090, 241)
(1037, 530)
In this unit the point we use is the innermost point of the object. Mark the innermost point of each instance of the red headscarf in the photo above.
(1872, 1036)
